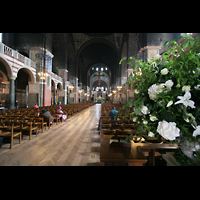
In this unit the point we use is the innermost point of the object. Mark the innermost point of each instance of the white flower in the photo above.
(186, 88)
(144, 110)
(145, 122)
(185, 100)
(169, 83)
(136, 91)
(153, 64)
(164, 71)
(169, 103)
(197, 87)
(157, 57)
(161, 86)
(187, 120)
(135, 119)
(168, 130)
(151, 134)
(153, 118)
(154, 90)
(197, 131)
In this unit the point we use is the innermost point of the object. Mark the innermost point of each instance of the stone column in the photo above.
(54, 94)
(12, 93)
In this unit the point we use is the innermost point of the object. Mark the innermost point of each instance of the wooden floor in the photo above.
(72, 143)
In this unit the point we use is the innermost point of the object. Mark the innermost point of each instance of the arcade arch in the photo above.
(55, 89)
(24, 77)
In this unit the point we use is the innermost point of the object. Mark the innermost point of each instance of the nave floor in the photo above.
(72, 143)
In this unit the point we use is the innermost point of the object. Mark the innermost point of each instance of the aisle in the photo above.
(72, 143)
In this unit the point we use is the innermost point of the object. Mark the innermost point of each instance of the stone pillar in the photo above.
(76, 91)
(54, 95)
(12, 93)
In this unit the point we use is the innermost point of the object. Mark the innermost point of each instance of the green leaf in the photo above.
(134, 66)
(165, 43)
(130, 59)
(168, 117)
(186, 44)
(180, 38)
(122, 60)
(191, 42)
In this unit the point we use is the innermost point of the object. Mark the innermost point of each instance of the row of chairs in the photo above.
(119, 128)
(20, 122)
(72, 108)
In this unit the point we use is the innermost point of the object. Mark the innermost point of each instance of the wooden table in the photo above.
(155, 147)
(117, 154)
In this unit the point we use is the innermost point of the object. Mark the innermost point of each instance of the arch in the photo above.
(89, 74)
(5, 79)
(29, 72)
(59, 87)
(97, 86)
(8, 68)
(97, 40)
(109, 46)
(106, 79)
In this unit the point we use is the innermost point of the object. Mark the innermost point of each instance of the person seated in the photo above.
(46, 113)
(35, 106)
(60, 114)
(112, 113)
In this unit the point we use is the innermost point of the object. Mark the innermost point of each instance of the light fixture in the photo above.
(114, 91)
(119, 87)
(42, 75)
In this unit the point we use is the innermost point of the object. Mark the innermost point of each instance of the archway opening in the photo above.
(96, 51)
(21, 87)
(4, 86)
(59, 88)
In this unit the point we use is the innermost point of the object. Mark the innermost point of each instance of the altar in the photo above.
(99, 95)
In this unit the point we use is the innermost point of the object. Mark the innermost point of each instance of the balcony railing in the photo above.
(9, 51)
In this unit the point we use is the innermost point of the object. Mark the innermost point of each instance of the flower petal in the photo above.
(187, 95)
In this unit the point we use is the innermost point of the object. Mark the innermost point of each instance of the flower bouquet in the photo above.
(166, 102)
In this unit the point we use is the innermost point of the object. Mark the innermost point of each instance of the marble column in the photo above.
(12, 94)
(54, 96)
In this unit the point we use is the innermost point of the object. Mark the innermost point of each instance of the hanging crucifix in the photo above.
(99, 78)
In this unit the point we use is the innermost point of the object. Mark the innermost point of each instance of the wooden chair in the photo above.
(128, 126)
(106, 126)
(105, 121)
(39, 121)
(121, 134)
(108, 132)
(116, 126)
(49, 123)
(56, 119)
(28, 129)
(8, 135)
